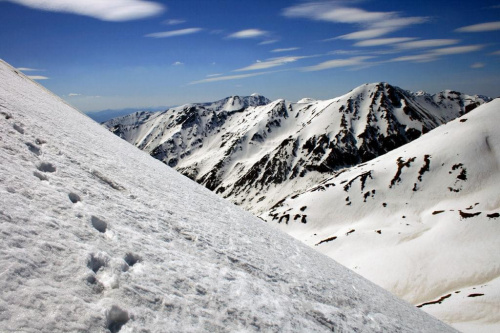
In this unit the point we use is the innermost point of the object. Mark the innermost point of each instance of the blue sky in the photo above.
(113, 54)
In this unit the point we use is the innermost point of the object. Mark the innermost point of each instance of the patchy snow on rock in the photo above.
(422, 221)
(255, 152)
(97, 236)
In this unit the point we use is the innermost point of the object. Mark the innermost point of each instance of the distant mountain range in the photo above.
(254, 152)
(104, 115)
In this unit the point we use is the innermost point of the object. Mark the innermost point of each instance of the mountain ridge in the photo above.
(241, 155)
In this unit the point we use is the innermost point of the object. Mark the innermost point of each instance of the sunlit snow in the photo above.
(97, 236)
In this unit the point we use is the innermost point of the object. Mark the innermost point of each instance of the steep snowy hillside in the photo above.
(97, 236)
(422, 221)
(252, 153)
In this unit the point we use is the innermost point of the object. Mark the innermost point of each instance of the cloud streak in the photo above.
(230, 77)
(270, 63)
(433, 55)
(375, 24)
(38, 77)
(382, 41)
(26, 69)
(482, 27)
(286, 50)
(174, 33)
(427, 43)
(477, 65)
(109, 10)
(173, 22)
(267, 42)
(336, 63)
(249, 33)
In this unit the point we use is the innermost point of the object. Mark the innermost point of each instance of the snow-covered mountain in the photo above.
(422, 221)
(253, 154)
(97, 236)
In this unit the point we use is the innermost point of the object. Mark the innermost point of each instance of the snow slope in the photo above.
(422, 221)
(97, 236)
(254, 152)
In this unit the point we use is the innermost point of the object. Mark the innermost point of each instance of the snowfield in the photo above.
(97, 236)
(422, 221)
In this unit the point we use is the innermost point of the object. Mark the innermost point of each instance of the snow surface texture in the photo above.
(97, 236)
(422, 221)
(254, 154)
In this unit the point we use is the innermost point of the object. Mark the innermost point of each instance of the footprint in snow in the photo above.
(34, 149)
(18, 128)
(116, 317)
(46, 167)
(131, 259)
(74, 198)
(40, 176)
(98, 224)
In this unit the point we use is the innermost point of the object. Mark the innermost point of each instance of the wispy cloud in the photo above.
(74, 94)
(26, 69)
(267, 42)
(426, 57)
(433, 55)
(382, 41)
(110, 10)
(174, 33)
(457, 49)
(173, 22)
(489, 26)
(344, 52)
(427, 43)
(214, 75)
(230, 77)
(249, 33)
(333, 12)
(495, 53)
(355, 61)
(285, 50)
(38, 77)
(270, 63)
(375, 24)
(177, 63)
(477, 65)
(363, 34)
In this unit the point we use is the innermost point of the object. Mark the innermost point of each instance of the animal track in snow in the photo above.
(40, 175)
(46, 167)
(97, 261)
(6, 114)
(98, 224)
(116, 317)
(131, 259)
(74, 197)
(18, 128)
(34, 149)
